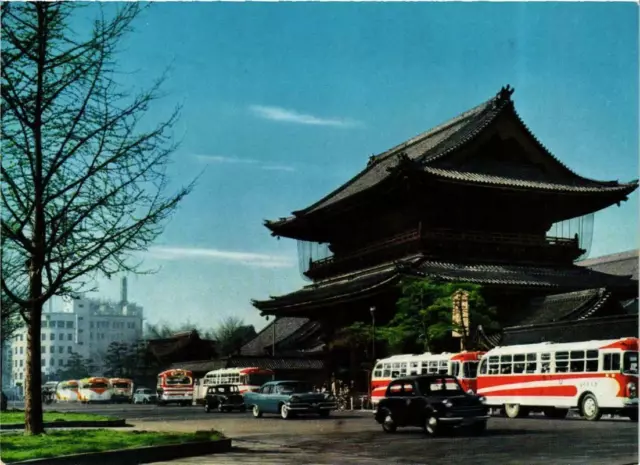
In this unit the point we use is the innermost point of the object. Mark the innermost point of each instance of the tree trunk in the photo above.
(33, 381)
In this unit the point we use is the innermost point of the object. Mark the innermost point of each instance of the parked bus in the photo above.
(95, 389)
(122, 389)
(463, 365)
(67, 391)
(247, 379)
(175, 387)
(594, 377)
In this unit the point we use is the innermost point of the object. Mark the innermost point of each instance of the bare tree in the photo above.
(84, 187)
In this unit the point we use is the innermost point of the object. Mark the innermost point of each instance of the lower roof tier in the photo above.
(367, 283)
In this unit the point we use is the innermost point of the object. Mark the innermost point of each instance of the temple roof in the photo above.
(287, 330)
(619, 264)
(181, 346)
(365, 283)
(430, 151)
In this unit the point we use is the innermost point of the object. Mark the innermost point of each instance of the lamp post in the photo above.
(373, 333)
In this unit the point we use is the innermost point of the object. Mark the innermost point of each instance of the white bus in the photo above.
(594, 377)
(247, 379)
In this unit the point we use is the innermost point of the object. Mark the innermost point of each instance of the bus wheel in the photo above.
(556, 412)
(515, 411)
(589, 408)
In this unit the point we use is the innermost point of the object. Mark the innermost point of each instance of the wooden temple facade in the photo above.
(471, 200)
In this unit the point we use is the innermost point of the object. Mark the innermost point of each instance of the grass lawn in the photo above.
(16, 447)
(17, 416)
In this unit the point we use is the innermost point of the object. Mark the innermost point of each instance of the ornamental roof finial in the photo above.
(505, 93)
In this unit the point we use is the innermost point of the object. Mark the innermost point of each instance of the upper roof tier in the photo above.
(436, 154)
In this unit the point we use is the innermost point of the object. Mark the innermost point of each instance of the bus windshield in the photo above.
(182, 380)
(96, 385)
(630, 363)
(122, 385)
(470, 369)
(257, 379)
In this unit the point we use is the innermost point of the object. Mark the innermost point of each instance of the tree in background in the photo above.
(121, 360)
(424, 315)
(77, 368)
(84, 187)
(163, 330)
(231, 334)
(11, 322)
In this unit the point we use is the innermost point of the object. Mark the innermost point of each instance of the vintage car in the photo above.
(224, 398)
(144, 396)
(436, 403)
(289, 398)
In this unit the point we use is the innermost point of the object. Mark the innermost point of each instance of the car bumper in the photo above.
(178, 398)
(463, 420)
(321, 406)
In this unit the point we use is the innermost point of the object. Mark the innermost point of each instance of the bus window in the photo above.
(387, 370)
(470, 369)
(505, 364)
(630, 363)
(576, 361)
(377, 374)
(443, 367)
(591, 364)
(531, 363)
(403, 369)
(413, 368)
(494, 365)
(545, 363)
(433, 367)
(455, 369)
(483, 367)
(562, 362)
(611, 362)
(518, 363)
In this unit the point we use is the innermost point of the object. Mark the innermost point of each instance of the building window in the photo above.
(91, 325)
(21, 363)
(43, 362)
(51, 362)
(43, 337)
(44, 324)
(21, 350)
(53, 349)
(52, 337)
(69, 349)
(44, 349)
(60, 350)
(69, 337)
(69, 324)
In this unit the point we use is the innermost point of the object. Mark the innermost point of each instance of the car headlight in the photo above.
(447, 403)
(632, 389)
(294, 399)
(482, 399)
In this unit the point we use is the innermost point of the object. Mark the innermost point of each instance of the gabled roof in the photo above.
(427, 151)
(285, 327)
(619, 264)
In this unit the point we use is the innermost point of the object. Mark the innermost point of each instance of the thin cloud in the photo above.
(222, 159)
(255, 260)
(243, 161)
(292, 116)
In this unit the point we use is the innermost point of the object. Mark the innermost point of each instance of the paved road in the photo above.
(354, 438)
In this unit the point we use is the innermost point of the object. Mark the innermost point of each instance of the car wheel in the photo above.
(589, 408)
(285, 413)
(221, 409)
(206, 407)
(257, 413)
(515, 411)
(432, 425)
(388, 425)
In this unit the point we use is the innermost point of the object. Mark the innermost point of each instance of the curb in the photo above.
(72, 424)
(136, 456)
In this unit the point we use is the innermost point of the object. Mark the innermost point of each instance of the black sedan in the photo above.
(434, 402)
(224, 398)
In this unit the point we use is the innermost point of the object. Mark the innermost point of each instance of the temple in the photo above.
(476, 199)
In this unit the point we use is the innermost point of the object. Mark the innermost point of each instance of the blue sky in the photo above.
(283, 102)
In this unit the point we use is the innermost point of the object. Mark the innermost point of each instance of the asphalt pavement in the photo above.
(354, 437)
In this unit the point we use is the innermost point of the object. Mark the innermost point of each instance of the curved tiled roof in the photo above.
(426, 150)
(619, 264)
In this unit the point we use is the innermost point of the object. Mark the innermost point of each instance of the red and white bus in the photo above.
(594, 377)
(463, 365)
(175, 387)
(122, 389)
(247, 379)
(94, 389)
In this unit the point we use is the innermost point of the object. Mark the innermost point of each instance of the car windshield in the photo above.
(440, 387)
(294, 388)
(470, 369)
(630, 363)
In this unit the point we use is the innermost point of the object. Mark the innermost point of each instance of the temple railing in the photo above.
(417, 241)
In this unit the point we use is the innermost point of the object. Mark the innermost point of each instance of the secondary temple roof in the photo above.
(431, 151)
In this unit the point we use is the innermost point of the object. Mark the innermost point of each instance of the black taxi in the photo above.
(434, 402)
(224, 398)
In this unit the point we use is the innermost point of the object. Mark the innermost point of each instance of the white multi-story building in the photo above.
(85, 326)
